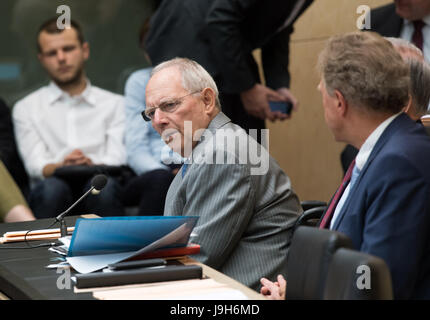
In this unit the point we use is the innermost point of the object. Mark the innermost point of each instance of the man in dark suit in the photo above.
(400, 19)
(221, 35)
(385, 205)
(405, 19)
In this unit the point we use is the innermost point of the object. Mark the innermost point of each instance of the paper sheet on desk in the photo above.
(206, 289)
(117, 236)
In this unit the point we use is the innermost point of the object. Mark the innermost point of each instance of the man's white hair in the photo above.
(194, 77)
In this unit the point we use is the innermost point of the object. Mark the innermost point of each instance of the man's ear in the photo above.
(408, 107)
(86, 50)
(209, 97)
(341, 103)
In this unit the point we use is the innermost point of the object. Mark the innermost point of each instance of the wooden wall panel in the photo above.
(303, 146)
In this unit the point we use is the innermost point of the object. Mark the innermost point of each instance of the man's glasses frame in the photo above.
(168, 106)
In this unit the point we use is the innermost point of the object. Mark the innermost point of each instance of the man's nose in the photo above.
(61, 56)
(159, 116)
(159, 120)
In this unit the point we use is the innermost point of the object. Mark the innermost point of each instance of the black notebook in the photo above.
(141, 275)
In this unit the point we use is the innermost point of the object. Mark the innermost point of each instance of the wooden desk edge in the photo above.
(220, 277)
(207, 271)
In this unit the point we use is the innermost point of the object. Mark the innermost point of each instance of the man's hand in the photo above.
(288, 96)
(256, 101)
(19, 213)
(76, 157)
(274, 290)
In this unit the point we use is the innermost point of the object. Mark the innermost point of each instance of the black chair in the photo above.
(350, 272)
(308, 261)
(312, 213)
(311, 204)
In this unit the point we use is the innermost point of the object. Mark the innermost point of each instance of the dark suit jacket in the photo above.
(221, 34)
(388, 211)
(385, 21)
(8, 150)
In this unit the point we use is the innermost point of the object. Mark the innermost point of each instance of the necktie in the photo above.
(325, 223)
(184, 169)
(417, 36)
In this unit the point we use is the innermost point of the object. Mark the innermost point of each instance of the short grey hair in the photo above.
(194, 77)
(406, 48)
(367, 70)
(419, 71)
(420, 85)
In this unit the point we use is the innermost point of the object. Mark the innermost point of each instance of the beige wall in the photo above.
(303, 146)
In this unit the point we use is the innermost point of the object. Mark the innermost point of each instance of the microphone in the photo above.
(97, 184)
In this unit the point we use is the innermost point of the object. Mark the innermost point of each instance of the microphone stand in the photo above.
(60, 217)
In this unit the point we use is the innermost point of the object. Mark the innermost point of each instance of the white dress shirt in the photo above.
(408, 30)
(49, 124)
(361, 159)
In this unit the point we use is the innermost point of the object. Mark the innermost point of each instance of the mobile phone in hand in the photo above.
(282, 106)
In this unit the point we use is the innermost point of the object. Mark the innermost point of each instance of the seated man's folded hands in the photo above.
(274, 290)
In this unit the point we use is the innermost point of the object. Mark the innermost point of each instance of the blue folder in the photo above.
(98, 242)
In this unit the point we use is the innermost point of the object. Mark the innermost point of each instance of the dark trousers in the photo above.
(148, 191)
(52, 196)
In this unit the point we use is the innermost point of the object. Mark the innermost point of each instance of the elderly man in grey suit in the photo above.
(244, 201)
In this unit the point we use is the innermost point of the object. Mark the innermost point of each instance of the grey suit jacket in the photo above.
(245, 219)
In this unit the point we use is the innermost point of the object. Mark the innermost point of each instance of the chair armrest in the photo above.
(309, 204)
(310, 214)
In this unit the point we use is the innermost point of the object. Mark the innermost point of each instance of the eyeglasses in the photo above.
(167, 106)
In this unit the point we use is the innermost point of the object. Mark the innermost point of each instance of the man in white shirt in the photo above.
(406, 19)
(416, 23)
(68, 123)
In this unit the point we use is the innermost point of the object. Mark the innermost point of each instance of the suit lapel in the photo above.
(386, 135)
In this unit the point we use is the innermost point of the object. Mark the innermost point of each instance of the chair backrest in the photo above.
(308, 260)
(312, 213)
(310, 217)
(355, 275)
(310, 204)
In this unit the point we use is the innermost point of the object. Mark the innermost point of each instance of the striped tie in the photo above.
(325, 223)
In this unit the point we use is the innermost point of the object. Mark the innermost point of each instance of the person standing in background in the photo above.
(221, 35)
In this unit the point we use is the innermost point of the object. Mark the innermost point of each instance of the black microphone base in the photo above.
(63, 228)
